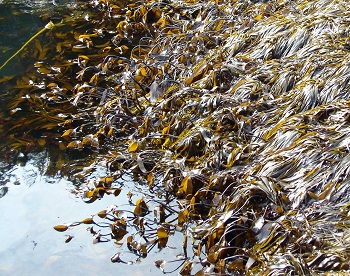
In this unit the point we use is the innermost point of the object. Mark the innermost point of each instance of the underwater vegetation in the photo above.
(235, 114)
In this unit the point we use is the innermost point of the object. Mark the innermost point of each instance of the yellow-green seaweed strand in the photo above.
(48, 26)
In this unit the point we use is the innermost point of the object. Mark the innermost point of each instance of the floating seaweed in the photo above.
(234, 113)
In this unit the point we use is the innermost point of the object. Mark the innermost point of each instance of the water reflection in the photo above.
(34, 198)
(3, 191)
(31, 202)
(33, 205)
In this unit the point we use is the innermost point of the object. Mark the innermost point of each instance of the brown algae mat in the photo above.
(235, 115)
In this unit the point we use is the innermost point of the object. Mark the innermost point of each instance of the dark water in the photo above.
(31, 202)
(18, 23)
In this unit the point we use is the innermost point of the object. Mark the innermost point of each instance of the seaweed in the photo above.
(234, 113)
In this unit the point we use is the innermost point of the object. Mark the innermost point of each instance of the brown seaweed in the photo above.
(235, 112)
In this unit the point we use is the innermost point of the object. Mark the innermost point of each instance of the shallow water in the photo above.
(29, 244)
(31, 202)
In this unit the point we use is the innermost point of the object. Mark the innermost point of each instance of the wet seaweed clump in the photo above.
(234, 114)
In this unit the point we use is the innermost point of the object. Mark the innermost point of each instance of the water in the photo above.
(32, 202)
(33, 205)
(29, 245)
(18, 23)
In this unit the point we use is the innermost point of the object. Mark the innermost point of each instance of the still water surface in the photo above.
(29, 245)
(31, 203)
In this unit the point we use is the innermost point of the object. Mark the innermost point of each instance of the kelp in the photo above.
(234, 112)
